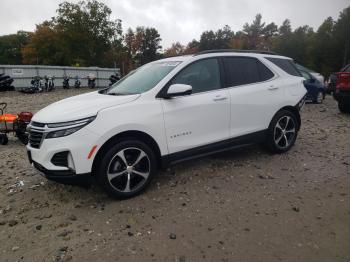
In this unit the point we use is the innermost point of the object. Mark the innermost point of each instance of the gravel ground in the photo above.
(245, 205)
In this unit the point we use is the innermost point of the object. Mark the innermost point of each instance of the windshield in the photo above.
(142, 79)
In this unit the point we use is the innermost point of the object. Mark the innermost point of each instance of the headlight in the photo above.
(71, 127)
(83, 121)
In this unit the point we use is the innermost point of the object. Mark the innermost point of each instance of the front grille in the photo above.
(60, 159)
(37, 124)
(35, 138)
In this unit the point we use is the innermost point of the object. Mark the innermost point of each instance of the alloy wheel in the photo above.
(129, 170)
(284, 132)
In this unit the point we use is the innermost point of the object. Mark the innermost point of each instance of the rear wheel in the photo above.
(283, 131)
(127, 168)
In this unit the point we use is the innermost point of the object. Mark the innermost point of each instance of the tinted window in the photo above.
(203, 75)
(265, 73)
(286, 65)
(244, 70)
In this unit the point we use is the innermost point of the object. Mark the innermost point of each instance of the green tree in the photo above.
(87, 29)
(285, 29)
(11, 46)
(342, 37)
(216, 40)
(323, 48)
(258, 34)
(146, 45)
(207, 41)
(253, 32)
(81, 33)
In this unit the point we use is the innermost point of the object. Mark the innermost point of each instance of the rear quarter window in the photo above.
(286, 65)
(245, 70)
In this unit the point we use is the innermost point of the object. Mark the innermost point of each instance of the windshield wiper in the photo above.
(121, 94)
(116, 94)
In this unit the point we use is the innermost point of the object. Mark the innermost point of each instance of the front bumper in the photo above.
(77, 144)
(64, 176)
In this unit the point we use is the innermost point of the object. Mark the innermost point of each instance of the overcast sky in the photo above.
(179, 20)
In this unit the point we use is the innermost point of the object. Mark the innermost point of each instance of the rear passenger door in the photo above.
(255, 94)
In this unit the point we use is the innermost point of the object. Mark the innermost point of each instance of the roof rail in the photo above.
(236, 51)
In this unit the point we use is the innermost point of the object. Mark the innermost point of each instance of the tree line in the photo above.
(83, 34)
(325, 50)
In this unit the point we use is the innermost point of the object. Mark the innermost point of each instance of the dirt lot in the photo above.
(235, 206)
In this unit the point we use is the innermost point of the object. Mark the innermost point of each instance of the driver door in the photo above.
(202, 117)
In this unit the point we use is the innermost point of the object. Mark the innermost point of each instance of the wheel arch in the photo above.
(293, 110)
(134, 134)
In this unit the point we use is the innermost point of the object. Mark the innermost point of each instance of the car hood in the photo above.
(81, 106)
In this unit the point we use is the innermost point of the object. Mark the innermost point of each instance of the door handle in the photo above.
(272, 87)
(221, 98)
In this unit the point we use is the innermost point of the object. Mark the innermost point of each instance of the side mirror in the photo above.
(312, 81)
(178, 90)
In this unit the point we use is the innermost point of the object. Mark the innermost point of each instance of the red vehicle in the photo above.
(342, 91)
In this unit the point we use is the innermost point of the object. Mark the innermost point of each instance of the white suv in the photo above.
(167, 111)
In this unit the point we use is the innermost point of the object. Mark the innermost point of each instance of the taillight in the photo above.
(343, 80)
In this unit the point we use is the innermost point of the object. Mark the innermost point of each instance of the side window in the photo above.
(242, 71)
(287, 65)
(265, 73)
(203, 75)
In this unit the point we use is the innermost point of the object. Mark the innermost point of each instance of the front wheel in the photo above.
(282, 132)
(126, 168)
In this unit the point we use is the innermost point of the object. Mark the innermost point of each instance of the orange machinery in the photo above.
(13, 123)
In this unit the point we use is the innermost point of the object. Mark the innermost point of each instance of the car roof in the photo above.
(184, 58)
(176, 58)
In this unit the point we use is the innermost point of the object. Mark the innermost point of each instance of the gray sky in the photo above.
(179, 20)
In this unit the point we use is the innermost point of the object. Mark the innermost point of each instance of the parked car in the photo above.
(316, 91)
(168, 111)
(318, 76)
(342, 91)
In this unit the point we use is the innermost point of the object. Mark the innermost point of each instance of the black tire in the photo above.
(23, 137)
(275, 133)
(117, 187)
(3, 139)
(343, 107)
